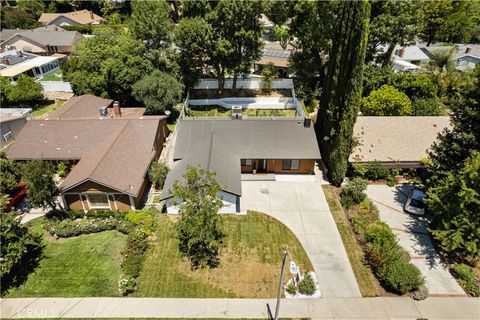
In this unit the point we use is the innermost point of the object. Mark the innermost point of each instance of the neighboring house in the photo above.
(110, 154)
(401, 66)
(12, 121)
(465, 56)
(412, 54)
(75, 18)
(42, 41)
(274, 53)
(232, 147)
(396, 142)
(16, 63)
(267, 26)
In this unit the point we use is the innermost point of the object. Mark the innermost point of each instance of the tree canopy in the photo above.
(199, 228)
(25, 91)
(41, 188)
(386, 101)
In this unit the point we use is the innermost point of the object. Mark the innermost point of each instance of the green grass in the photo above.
(270, 112)
(363, 274)
(250, 261)
(171, 126)
(44, 111)
(208, 111)
(53, 76)
(88, 265)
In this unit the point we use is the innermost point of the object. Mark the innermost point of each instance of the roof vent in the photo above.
(103, 111)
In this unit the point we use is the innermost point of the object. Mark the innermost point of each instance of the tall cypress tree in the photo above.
(342, 91)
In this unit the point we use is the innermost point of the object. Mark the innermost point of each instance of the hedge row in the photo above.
(71, 228)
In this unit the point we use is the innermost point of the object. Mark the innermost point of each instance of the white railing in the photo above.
(251, 83)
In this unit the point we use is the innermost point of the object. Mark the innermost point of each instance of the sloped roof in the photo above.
(212, 155)
(251, 138)
(44, 36)
(391, 139)
(412, 53)
(81, 107)
(82, 17)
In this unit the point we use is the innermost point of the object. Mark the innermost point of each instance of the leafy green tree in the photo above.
(41, 188)
(456, 204)
(158, 174)
(342, 92)
(428, 107)
(20, 251)
(199, 228)
(35, 8)
(415, 85)
(269, 73)
(196, 8)
(392, 22)
(312, 33)
(459, 23)
(194, 38)
(10, 174)
(279, 11)
(26, 90)
(449, 152)
(5, 85)
(4, 200)
(151, 22)
(158, 91)
(375, 76)
(108, 65)
(386, 101)
(282, 35)
(434, 15)
(238, 32)
(16, 18)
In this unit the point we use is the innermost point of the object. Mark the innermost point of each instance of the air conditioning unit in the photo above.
(236, 112)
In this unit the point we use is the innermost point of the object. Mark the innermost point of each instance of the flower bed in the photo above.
(72, 228)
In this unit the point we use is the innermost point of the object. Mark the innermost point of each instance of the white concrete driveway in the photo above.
(413, 236)
(301, 205)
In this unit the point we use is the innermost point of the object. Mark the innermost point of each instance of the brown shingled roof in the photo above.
(82, 17)
(81, 107)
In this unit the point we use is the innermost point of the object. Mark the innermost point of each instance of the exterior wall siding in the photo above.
(20, 44)
(231, 204)
(305, 166)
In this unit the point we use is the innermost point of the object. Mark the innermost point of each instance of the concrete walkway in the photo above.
(301, 205)
(413, 236)
(321, 308)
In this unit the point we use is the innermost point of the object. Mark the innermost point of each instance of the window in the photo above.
(290, 164)
(98, 201)
(246, 162)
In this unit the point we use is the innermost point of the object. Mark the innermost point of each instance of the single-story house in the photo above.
(465, 56)
(12, 121)
(401, 66)
(267, 26)
(396, 142)
(75, 18)
(16, 63)
(412, 54)
(42, 41)
(274, 53)
(111, 155)
(231, 148)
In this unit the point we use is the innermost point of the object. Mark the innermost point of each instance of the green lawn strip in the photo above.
(254, 237)
(84, 266)
(208, 111)
(53, 76)
(363, 274)
(42, 112)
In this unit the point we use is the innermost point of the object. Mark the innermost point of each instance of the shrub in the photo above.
(382, 247)
(61, 169)
(158, 174)
(307, 285)
(428, 107)
(401, 276)
(467, 278)
(386, 101)
(375, 171)
(71, 228)
(291, 289)
(421, 293)
(127, 285)
(142, 219)
(353, 192)
(132, 265)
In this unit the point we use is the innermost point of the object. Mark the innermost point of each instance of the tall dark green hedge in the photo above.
(341, 95)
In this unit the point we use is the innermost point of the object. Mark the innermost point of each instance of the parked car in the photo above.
(415, 202)
(16, 197)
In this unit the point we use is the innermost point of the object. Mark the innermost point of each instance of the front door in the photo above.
(262, 165)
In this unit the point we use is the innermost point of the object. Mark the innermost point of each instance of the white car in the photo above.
(415, 204)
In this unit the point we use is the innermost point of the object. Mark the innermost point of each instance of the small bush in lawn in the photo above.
(401, 276)
(307, 285)
(291, 289)
(421, 293)
(127, 285)
(142, 219)
(353, 191)
(467, 278)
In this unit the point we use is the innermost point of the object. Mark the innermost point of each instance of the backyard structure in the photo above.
(396, 142)
(100, 143)
(17, 63)
(231, 148)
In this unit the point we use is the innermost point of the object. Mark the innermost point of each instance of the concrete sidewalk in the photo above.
(322, 308)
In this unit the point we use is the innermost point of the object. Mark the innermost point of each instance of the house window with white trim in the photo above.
(246, 162)
(98, 201)
(290, 164)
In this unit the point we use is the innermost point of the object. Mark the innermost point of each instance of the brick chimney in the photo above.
(307, 122)
(5, 61)
(401, 52)
(468, 50)
(91, 15)
(116, 109)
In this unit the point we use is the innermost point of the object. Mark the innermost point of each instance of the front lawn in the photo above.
(250, 261)
(88, 265)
